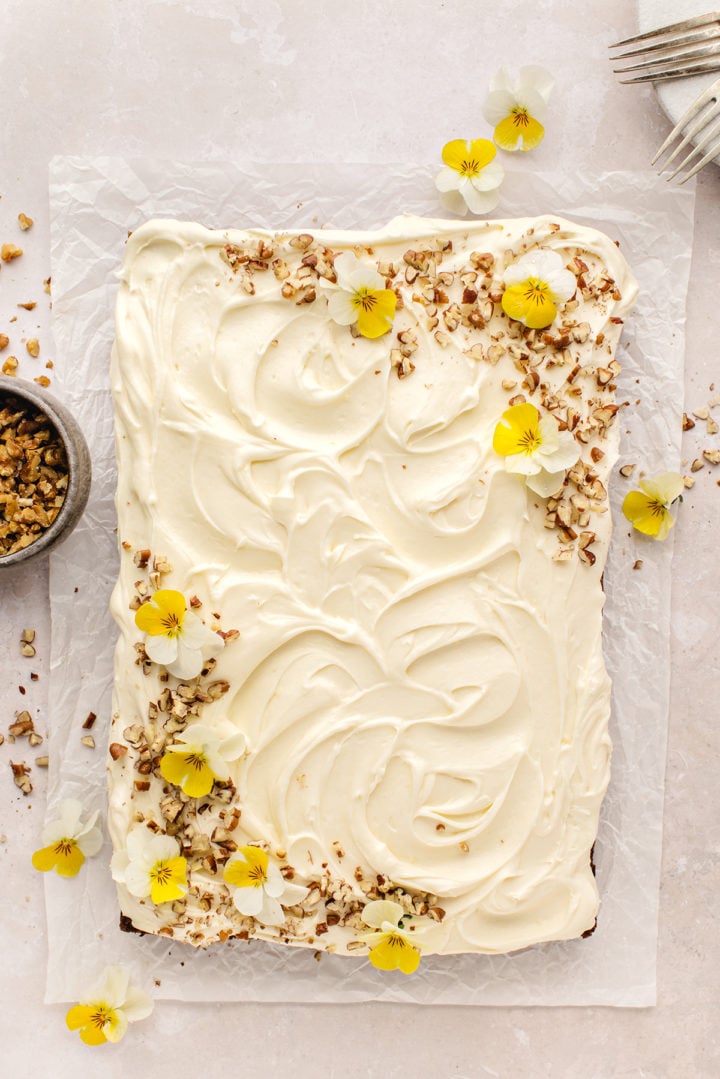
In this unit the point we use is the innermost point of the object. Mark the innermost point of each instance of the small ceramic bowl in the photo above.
(80, 470)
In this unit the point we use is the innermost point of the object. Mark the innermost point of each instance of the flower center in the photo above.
(529, 441)
(172, 624)
(397, 940)
(257, 875)
(196, 760)
(520, 116)
(65, 846)
(657, 508)
(364, 298)
(161, 872)
(536, 291)
(102, 1014)
(470, 166)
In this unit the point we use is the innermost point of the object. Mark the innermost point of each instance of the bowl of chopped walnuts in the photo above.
(45, 471)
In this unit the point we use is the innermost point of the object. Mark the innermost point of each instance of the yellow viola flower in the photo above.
(259, 889)
(516, 108)
(360, 296)
(533, 447)
(471, 178)
(534, 286)
(199, 756)
(391, 947)
(177, 638)
(151, 865)
(104, 1013)
(68, 840)
(648, 509)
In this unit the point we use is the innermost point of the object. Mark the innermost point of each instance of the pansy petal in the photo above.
(393, 951)
(233, 747)
(490, 178)
(70, 813)
(377, 320)
(497, 105)
(161, 649)
(248, 901)
(271, 912)
(113, 987)
(116, 1030)
(479, 202)
(537, 79)
(188, 662)
(275, 883)
(44, 859)
(519, 131)
(165, 891)
(546, 483)
(644, 513)
(522, 464)
(196, 634)
(138, 1004)
(381, 910)
(665, 488)
(341, 308)
(455, 153)
(345, 264)
(69, 861)
(80, 1018)
(454, 203)
(447, 179)
(516, 424)
(292, 894)
(563, 286)
(149, 619)
(91, 842)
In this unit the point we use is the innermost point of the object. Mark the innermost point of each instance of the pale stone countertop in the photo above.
(271, 80)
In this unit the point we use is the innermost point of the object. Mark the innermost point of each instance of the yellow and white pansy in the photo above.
(177, 638)
(535, 448)
(391, 947)
(516, 107)
(534, 286)
(102, 1015)
(471, 177)
(200, 755)
(648, 509)
(151, 865)
(360, 297)
(68, 840)
(259, 889)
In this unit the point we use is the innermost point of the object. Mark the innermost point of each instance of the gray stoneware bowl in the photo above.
(80, 470)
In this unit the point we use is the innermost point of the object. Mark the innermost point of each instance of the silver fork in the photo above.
(703, 118)
(684, 48)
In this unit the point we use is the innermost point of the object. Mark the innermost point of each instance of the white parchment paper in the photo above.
(94, 202)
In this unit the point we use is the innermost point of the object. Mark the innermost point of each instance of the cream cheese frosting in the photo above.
(418, 670)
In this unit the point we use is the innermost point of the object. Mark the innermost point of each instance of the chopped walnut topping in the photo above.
(8, 252)
(25, 222)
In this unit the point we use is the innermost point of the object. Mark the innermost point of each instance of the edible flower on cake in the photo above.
(471, 177)
(103, 1014)
(516, 108)
(151, 866)
(68, 840)
(361, 297)
(391, 948)
(535, 448)
(648, 509)
(199, 756)
(534, 286)
(176, 638)
(259, 889)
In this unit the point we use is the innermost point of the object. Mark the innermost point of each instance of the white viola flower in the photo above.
(535, 448)
(471, 177)
(392, 947)
(151, 865)
(68, 840)
(534, 285)
(103, 1014)
(517, 107)
(177, 638)
(360, 297)
(200, 755)
(259, 889)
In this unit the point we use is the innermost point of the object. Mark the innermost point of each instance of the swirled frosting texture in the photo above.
(419, 671)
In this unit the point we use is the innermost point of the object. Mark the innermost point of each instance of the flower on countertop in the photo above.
(103, 1014)
(259, 889)
(534, 286)
(199, 756)
(69, 840)
(516, 108)
(471, 177)
(391, 947)
(177, 638)
(361, 296)
(535, 448)
(648, 509)
(151, 866)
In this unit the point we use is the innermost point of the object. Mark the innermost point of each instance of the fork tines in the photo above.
(702, 120)
(684, 48)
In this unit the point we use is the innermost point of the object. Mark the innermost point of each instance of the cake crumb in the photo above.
(25, 222)
(8, 252)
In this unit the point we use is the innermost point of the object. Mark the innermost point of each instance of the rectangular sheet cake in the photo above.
(401, 667)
